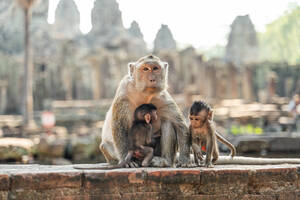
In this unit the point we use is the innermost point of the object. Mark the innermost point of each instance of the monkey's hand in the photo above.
(199, 159)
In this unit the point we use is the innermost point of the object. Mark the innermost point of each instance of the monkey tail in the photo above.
(227, 143)
(103, 166)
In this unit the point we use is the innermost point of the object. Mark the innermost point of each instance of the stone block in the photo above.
(45, 180)
(232, 182)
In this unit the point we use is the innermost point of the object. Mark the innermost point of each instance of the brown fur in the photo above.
(203, 133)
(139, 87)
(140, 135)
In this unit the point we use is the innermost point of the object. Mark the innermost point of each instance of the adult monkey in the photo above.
(145, 83)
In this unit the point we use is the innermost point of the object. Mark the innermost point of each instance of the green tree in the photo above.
(281, 40)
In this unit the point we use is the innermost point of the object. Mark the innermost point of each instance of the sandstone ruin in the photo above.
(242, 47)
(164, 40)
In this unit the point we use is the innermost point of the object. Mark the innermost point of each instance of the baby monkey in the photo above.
(139, 136)
(204, 135)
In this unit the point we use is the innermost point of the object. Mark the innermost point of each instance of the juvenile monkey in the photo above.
(139, 136)
(204, 136)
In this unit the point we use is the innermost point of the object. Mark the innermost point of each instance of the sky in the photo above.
(201, 23)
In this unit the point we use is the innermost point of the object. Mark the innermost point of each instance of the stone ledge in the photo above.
(220, 182)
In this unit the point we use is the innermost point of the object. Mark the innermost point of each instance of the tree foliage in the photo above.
(281, 40)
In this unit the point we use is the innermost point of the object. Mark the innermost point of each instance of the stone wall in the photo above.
(71, 66)
(221, 182)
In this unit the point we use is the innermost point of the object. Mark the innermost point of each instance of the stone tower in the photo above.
(11, 27)
(135, 30)
(5, 6)
(106, 18)
(242, 46)
(164, 40)
(67, 19)
(40, 11)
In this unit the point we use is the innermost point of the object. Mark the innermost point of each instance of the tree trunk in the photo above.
(28, 75)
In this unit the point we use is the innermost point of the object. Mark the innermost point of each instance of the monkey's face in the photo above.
(198, 120)
(150, 117)
(149, 77)
(147, 118)
(149, 74)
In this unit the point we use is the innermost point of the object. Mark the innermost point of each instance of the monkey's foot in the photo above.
(186, 165)
(132, 164)
(191, 165)
(145, 164)
(208, 165)
(160, 162)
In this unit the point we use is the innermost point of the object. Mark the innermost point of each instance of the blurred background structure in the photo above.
(252, 82)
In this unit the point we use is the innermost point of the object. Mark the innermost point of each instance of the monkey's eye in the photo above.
(145, 69)
(155, 68)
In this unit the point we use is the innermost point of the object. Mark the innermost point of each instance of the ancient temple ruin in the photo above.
(76, 75)
(106, 18)
(242, 47)
(135, 30)
(164, 40)
(11, 27)
(108, 30)
(69, 65)
(66, 20)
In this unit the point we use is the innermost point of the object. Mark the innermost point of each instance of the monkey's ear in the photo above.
(131, 67)
(210, 115)
(166, 65)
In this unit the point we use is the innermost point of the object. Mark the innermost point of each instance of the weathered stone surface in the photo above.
(242, 46)
(222, 182)
(4, 182)
(189, 69)
(60, 194)
(40, 11)
(11, 27)
(106, 17)
(108, 32)
(4, 5)
(135, 30)
(12, 23)
(45, 180)
(164, 40)
(66, 20)
(107, 25)
(263, 181)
